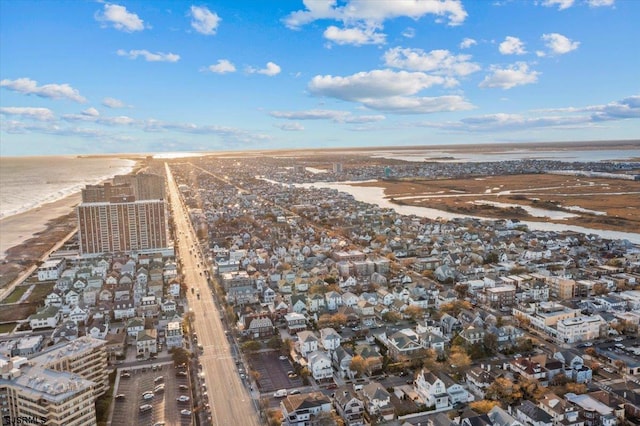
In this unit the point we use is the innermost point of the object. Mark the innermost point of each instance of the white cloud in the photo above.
(600, 3)
(419, 105)
(388, 90)
(467, 43)
(113, 103)
(376, 12)
(559, 44)
(149, 56)
(204, 21)
(512, 46)
(514, 75)
(223, 66)
(118, 17)
(41, 114)
(562, 4)
(354, 36)
(52, 91)
(325, 114)
(441, 62)
(271, 69)
(372, 84)
(627, 108)
(91, 112)
(409, 32)
(290, 127)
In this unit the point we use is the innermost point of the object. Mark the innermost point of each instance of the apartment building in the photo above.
(122, 224)
(38, 395)
(146, 186)
(580, 329)
(85, 357)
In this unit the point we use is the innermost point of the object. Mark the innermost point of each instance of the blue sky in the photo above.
(80, 77)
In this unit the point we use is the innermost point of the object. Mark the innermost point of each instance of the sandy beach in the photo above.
(16, 229)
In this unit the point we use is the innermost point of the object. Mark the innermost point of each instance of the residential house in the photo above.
(173, 334)
(330, 339)
(350, 407)
(46, 317)
(333, 300)
(573, 365)
(307, 342)
(295, 322)
(342, 361)
(349, 299)
(147, 342)
(531, 414)
(303, 409)
(258, 325)
(404, 344)
(134, 326)
(320, 365)
(432, 390)
(378, 401)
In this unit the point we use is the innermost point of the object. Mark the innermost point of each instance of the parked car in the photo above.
(159, 388)
(181, 373)
(147, 395)
(125, 374)
(283, 358)
(294, 392)
(120, 396)
(183, 387)
(158, 379)
(183, 398)
(185, 412)
(146, 407)
(280, 393)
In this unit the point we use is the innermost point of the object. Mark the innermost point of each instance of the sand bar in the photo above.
(18, 228)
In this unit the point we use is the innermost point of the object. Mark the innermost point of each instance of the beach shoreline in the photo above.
(18, 228)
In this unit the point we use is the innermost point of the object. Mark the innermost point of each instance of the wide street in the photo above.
(229, 399)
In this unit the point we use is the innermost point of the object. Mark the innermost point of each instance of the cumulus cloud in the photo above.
(512, 46)
(149, 56)
(388, 90)
(41, 114)
(113, 103)
(326, 114)
(204, 21)
(91, 112)
(440, 62)
(354, 11)
(223, 66)
(290, 127)
(467, 43)
(270, 70)
(52, 91)
(559, 44)
(119, 18)
(562, 4)
(514, 75)
(354, 36)
(229, 134)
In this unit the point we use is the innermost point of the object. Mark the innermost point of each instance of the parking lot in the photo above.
(133, 383)
(273, 372)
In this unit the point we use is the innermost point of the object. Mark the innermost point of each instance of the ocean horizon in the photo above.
(31, 182)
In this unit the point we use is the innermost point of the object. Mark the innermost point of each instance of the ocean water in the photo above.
(29, 182)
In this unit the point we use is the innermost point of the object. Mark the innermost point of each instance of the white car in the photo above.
(185, 412)
(147, 395)
(183, 398)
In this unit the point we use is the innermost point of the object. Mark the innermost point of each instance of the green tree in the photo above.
(180, 356)
(275, 342)
(251, 346)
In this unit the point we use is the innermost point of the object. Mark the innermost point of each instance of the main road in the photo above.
(229, 399)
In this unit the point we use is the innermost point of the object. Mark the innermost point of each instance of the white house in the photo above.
(47, 317)
(432, 390)
(320, 365)
(330, 339)
(307, 342)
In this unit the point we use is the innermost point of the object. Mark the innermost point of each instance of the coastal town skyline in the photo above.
(138, 77)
